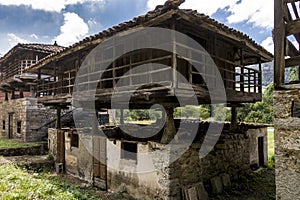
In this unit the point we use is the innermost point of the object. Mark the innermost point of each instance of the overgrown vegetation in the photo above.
(17, 183)
(11, 144)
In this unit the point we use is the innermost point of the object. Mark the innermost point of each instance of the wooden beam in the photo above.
(287, 14)
(295, 10)
(290, 49)
(291, 62)
(292, 27)
(279, 40)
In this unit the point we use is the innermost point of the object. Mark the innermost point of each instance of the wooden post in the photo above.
(234, 122)
(122, 116)
(6, 96)
(21, 93)
(279, 39)
(242, 80)
(32, 91)
(169, 131)
(174, 56)
(58, 117)
(13, 94)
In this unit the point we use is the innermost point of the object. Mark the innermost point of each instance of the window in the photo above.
(19, 126)
(3, 125)
(74, 140)
(129, 151)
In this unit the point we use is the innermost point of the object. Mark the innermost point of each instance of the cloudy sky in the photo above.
(68, 21)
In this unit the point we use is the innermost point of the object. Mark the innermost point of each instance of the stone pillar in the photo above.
(169, 131)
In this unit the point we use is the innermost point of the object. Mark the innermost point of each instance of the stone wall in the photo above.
(31, 115)
(231, 157)
(287, 145)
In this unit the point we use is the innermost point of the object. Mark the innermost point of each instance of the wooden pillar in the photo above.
(6, 96)
(122, 116)
(242, 80)
(95, 124)
(32, 91)
(174, 56)
(13, 96)
(21, 93)
(234, 122)
(169, 131)
(279, 41)
(58, 117)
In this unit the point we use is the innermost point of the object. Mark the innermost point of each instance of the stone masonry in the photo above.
(287, 145)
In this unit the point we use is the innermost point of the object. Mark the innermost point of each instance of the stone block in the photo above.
(225, 180)
(216, 184)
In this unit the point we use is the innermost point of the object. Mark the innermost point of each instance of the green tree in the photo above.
(294, 74)
(259, 112)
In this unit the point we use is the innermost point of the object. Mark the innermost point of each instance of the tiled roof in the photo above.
(159, 11)
(46, 48)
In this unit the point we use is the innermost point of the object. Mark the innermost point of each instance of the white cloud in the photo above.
(73, 30)
(14, 39)
(47, 5)
(268, 44)
(34, 36)
(258, 12)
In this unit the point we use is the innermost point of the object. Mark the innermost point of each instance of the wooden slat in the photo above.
(287, 15)
(295, 9)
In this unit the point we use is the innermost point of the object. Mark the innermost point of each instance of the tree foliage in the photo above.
(259, 112)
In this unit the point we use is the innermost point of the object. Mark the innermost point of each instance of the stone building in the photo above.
(21, 116)
(286, 100)
(129, 157)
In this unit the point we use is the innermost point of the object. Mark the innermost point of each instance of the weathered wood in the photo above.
(234, 121)
(169, 130)
(58, 117)
(291, 62)
(290, 49)
(279, 39)
(293, 27)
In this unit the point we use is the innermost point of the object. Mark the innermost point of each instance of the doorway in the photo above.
(261, 155)
(10, 125)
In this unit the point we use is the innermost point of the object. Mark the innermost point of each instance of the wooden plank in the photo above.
(279, 40)
(287, 15)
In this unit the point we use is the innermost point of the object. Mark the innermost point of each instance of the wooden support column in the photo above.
(6, 96)
(234, 122)
(58, 117)
(242, 80)
(21, 93)
(32, 93)
(174, 56)
(169, 131)
(13, 96)
(122, 116)
(279, 39)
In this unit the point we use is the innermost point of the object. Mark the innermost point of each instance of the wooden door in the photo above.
(99, 162)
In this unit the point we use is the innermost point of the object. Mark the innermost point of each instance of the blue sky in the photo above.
(68, 21)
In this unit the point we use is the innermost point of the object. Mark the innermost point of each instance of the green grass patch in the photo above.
(12, 144)
(271, 148)
(17, 183)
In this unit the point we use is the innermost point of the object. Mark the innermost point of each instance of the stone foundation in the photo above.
(287, 145)
(160, 179)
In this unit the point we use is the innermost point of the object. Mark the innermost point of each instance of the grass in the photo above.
(11, 144)
(271, 148)
(18, 183)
